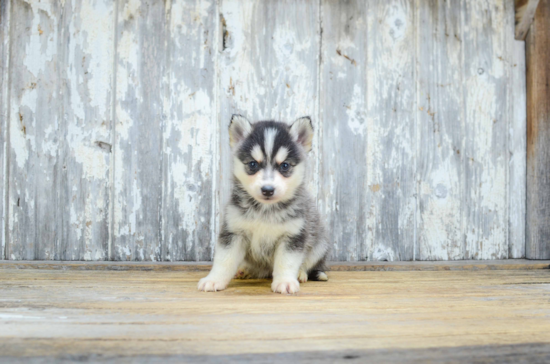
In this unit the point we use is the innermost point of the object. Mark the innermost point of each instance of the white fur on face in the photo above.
(269, 141)
(294, 181)
(284, 187)
(281, 155)
(257, 153)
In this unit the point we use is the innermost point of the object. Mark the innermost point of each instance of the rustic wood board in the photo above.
(343, 88)
(508, 264)
(190, 131)
(5, 17)
(391, 130)
(485, 207)
(144, 315)
(509, 354)
(517, 141)
(538, 135)
(441, 134)
(59, 199)
(36, 132)
(140, 70)
(87, 79)
(118, 145)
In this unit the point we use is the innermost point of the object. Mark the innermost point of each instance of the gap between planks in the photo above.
(464, 265)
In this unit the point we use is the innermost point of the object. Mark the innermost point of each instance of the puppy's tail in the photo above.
(317, 275)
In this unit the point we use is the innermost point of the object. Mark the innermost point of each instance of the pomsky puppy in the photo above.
(271, 227)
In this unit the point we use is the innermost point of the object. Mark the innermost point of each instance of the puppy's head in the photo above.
(269, 156)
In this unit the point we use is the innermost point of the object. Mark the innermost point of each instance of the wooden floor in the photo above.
(358, 316)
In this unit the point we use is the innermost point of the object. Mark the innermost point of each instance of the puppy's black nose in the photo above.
(268, 190)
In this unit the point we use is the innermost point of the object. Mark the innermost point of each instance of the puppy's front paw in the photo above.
(209, 284)
(285, 285)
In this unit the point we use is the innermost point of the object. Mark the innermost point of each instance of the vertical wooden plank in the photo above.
(517, 137)
(140, 69)
(485, 206)
(440, 130)
(35, 217)
(538, 135)
(88, 30)
(190, 135)
(391, 149)
(268, 69)
(5, 20)
(343, 171)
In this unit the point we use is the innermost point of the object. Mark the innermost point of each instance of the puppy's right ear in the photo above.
(239, 128)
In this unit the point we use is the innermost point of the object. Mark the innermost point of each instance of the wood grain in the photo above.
(538, 135)
(36, 134)
(344, 194)
(85, 154)
(485, 207)
(441, 135)
(5, 22)
(391, 130)
(517, 140)
(190, 134)
(140, 70)
(109, 315)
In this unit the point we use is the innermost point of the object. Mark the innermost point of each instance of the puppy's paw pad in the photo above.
(322, 276)
(285, 286)
(208, 284)
(302, 276)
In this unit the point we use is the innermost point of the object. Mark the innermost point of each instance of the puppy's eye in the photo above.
(253, 165)
(284, 167)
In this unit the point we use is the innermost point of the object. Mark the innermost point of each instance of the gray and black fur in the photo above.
(271, 225)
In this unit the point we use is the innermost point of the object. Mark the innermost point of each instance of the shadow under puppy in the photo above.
(271, 226)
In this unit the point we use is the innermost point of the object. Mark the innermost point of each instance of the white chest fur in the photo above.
(262, 234)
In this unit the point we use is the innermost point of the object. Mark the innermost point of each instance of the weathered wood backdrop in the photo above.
(114, 137)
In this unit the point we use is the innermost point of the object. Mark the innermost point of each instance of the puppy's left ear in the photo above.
(239, 128)
(302, 132)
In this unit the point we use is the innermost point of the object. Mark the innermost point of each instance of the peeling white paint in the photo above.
(394, 127)
(190, 132)
(39, 52)
(96, 23)
(356, 112)
(131, 9)
(94, 162)
(18, 141)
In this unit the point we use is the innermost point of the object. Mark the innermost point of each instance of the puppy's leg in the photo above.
(302, 274)
(287, 263)
(230, 252)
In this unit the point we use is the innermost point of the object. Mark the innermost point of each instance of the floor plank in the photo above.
(508, 264)
(158, 316)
